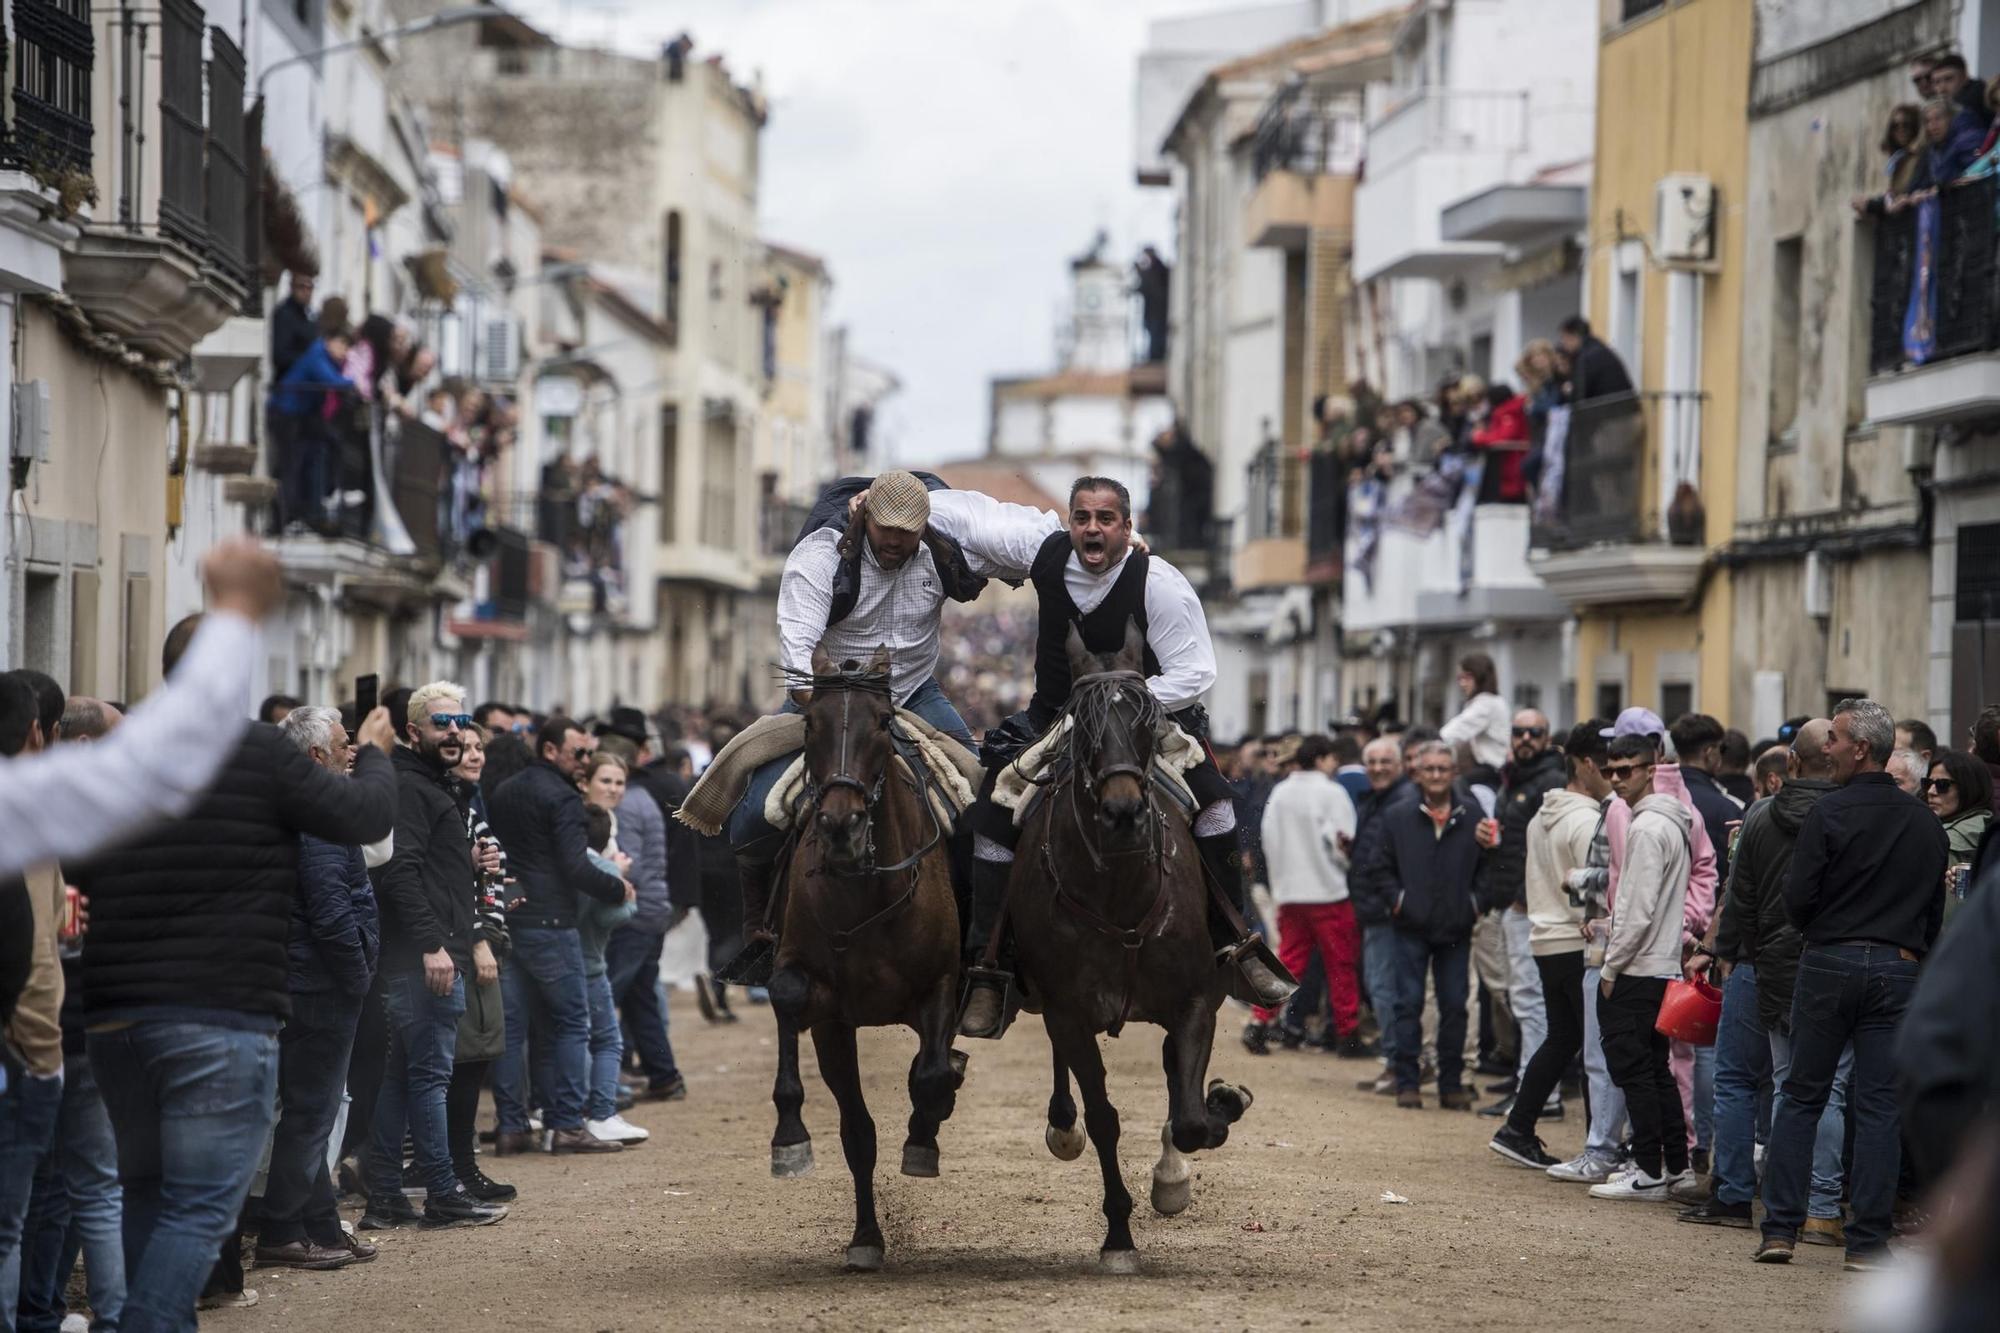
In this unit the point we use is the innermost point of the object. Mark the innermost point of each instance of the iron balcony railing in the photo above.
(1272, 499)
(1326, 514)
(1610, 486)
(1956, 311)
(183, 201)
(778, 524)
(48, 132)
(1307, 134)
(227, 170)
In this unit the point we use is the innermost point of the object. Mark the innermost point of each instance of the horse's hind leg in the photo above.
(791, 1145)
(933, 1079)
(1078, 1048)
(840, 1067)
(1065, 1140)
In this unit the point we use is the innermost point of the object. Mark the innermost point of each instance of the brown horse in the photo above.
(870, 933)
(1110, 919)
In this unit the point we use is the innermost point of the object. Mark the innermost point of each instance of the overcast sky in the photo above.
(945, 158)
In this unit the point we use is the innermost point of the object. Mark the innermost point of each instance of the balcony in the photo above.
(1436, 148)
(1602, 533)
(1326, 516)
(1954, 373)
(582, 513)
(1305, 152)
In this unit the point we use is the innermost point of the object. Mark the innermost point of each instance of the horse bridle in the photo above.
(1089, 782)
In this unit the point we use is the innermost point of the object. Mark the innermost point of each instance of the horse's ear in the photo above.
(878, 663)
(1081, 663)
(822, 662)
(1132, 657)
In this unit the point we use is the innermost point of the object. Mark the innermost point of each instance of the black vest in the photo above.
(1103, 630)
(954, 572)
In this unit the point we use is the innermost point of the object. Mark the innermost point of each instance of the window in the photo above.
(138, 636)
(1787, 275)
(1676, 700)
(670, 449)
(1978, 582)
(1610, 698)
(670, 297)
(82, 629)
(1627, 293)
(40, 617)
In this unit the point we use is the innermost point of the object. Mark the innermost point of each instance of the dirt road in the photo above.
(1287, 1228)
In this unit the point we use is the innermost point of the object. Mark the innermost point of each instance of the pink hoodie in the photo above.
(1699, 904)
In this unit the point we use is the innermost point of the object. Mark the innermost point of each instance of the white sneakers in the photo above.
(1631, 1185)
(1583, 1169)
(617, 1129)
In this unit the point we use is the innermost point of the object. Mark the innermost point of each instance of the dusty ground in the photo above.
(1287, 1227)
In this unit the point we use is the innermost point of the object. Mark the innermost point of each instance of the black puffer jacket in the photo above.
(336, 931)
(1754, 927)
(195, 914)
(1373, 895)
(1520, 801)
(426, 888)
(1436, 881)
(538, 816)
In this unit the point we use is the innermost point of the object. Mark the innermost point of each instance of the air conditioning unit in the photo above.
(1684, 230)
(1818, 587)
(499, 349)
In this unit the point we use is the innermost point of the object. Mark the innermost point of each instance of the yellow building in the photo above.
(1649, 496)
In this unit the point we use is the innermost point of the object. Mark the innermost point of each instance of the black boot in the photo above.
(985, 1012)
(752, 964)
(1255, 974)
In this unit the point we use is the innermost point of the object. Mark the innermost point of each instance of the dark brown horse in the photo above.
(1110, 919)
(870, 934)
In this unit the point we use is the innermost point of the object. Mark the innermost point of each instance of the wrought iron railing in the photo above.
(1313, 136)
(48, 133)
(1956, 312)
(1272, 503)
(778, 524)
(227, 169)
(1602, 485)
(1326, 514)
(183, 205)
(416, 476)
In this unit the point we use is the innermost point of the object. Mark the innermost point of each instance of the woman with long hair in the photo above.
(482, 1030)
(603, 782)
(1960, 793)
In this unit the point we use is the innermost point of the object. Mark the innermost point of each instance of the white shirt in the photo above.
(1305, 819)
(1003, 539)
(65, 803)
(897, 609)
(1486, 724)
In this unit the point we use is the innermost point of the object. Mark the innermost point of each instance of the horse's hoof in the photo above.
(864, 1258)
(791, 1159)
(959, 1060)
(1122, 1263)
(1171, 1196)
(919, 1160)
(1066, 1144)
(1229, 1100)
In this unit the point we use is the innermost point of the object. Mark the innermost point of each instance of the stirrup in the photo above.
(752, 964)
(1256, 975)
(987, 1008)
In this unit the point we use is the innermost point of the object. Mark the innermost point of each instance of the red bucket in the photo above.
(1690, 1012)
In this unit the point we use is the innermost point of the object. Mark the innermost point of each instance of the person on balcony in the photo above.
(304, 400)
(1951, 142)
(1595, 370)
(1969, 98)
(1503, 439)
(1899, 148)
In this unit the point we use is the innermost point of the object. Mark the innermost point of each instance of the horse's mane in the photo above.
(1090, 709)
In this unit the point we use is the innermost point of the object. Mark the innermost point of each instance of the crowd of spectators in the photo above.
(1813, 891)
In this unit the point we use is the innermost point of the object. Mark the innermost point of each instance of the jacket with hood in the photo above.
(1305, 820)
(1754, 927)
(1699, 904)
(1374, 896)
(1558, 842)
(1526, 786)
(1645, 939)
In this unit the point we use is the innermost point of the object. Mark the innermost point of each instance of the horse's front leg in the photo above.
(1065, 1140)
(1184, 1056)
(1077, 1046)
(840, 1067)
(791, 1145)
(933, 1080)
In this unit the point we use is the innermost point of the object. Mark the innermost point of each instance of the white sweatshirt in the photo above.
(1305, 819)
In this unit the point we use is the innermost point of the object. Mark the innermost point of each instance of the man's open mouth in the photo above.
(1092, 548)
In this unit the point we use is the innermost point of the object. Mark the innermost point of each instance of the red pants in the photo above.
(1330, 930)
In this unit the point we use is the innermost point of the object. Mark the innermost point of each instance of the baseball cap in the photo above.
(1635, 722)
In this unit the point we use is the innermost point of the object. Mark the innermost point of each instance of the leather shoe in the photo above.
(303, 1254)
(562, 1141)
(984, 1014)
(509, 1143)
(360, 1249)
(1458, 1099)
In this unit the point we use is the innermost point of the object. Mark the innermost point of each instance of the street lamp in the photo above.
(446, 18)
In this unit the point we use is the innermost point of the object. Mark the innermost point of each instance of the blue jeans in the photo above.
(607, 1049)
(1378, 967)
(423, 1031)
(1702, 1094)
(190, 1104)
(751, 834)
(1607, 1102)
(1450, 966)
(1846, 993)
(76, 1207)
(1742, 1060)
(299, 1202)
(632, 958)
(29, 1109)
(545, 974)
(1830, 1138)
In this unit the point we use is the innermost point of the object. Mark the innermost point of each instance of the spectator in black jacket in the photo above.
(1697, 739)
(1434, 869)
(1866, 891)
(1535, 767)
(1595, 370)
(335, 937)
(1383, 760)
(538, 817)
(186, 981)
(427, 901)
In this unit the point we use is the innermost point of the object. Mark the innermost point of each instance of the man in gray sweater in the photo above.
(1642, 954)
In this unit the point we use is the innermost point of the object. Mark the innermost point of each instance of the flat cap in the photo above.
(899, 500)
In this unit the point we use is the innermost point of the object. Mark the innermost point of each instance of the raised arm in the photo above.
(1000, 540)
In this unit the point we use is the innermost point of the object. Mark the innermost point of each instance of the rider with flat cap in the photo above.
(1086, 574)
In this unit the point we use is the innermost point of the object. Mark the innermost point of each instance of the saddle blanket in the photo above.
(728, 775)
(1019, 783)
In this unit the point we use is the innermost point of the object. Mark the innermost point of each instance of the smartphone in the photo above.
(366, 688)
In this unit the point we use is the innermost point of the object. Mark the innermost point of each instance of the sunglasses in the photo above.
(1942, 786)
(582, 752)
(1536, 732)
(1619, 772)
(443, 721)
